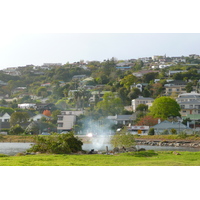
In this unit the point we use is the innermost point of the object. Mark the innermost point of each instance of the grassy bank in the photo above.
(167, 158)
(16, 138)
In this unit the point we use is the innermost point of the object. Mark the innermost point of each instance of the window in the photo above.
(60, 118)
(60, 124)
(182, 106)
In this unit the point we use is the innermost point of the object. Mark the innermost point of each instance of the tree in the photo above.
(128, 80)
(110, 105)
(123, 138)
(47, 113)
(16, 130)
(142, 107)
(147, 121)
(164, 107)
(19, 118)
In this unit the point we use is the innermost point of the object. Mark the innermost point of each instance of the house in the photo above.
(141, 100)
(190, 107)
(122, 119)
(141, 130)
(79, 77)
(167, 125)
(171, 73)
(140, 86)
(26, 105)
(4, 117)
(44, 106)
(67, 120)
(177, 87)
(38, 117)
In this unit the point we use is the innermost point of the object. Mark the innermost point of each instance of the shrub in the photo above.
(165, 132)
(173, 131)
(57, 143)
(123, 138)
(16, 130)
(151, 131)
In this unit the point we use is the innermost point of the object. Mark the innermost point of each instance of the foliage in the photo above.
(6, 110)
(16, 130)
(57, 143)
(19, 118)
(173, 131)
(128, 80)
(110, 105)
(147, 121)
(165, 132)
(182, 135)
(47, 113)
(164, 107)
(123, 138)
(151, 131)
(142, 107)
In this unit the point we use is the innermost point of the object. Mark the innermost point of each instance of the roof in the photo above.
(169, 125)
(190, 102)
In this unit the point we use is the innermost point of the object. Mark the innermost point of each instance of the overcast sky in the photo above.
(61, 31)
(36, 49)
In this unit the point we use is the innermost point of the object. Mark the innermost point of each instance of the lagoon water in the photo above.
(14, 148)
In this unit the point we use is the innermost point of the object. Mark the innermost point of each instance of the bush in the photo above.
(16, 130)
(123, 139)
(151, 131)
(173, 131)
(57, 143)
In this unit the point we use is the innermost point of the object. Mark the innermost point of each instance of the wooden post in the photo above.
(107, 149)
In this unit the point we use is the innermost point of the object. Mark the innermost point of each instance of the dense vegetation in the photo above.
(58, 86)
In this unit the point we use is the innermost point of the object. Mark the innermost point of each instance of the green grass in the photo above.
(166, 158)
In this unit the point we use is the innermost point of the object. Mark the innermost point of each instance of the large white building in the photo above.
(141, 100)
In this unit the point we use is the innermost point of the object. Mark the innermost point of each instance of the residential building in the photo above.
(67, 120)
(122, 119)
(167, 125)
(26, 105)
(38, 117)
(171, 73)
(4, 117)
(189, 103)
(141, 100)
(176, 87)
(141, 130)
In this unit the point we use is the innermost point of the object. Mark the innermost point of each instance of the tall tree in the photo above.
(164, 107)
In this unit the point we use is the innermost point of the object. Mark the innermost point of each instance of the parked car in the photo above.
(45, 133)
(64, 132)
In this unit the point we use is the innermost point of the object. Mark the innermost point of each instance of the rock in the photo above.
(116, 149)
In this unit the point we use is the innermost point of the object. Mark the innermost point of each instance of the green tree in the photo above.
(16, 130)
(164, 107)
(18, 118)
(110, 105)
(128, 80)
(123, 139)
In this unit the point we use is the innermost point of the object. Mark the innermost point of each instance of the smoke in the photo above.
(99, 132)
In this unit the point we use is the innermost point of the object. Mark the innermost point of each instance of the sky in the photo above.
(38, 48)
(37, 32)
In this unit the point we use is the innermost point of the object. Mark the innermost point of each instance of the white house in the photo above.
(5, 117)
(26, 105)
(141, 100)
(38, 117)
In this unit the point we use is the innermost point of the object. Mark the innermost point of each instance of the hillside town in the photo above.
(100, 97)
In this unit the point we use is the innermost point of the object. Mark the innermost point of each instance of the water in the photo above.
(13, 148)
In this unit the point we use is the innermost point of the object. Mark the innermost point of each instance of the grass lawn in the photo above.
(166, 158)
